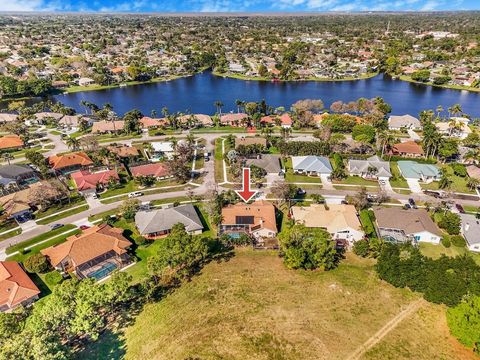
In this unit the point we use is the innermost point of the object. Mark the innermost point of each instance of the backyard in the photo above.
(252, 307)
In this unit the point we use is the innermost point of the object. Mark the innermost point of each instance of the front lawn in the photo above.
(459, 184)
(397, 180)
(357, 180)
(57, 217)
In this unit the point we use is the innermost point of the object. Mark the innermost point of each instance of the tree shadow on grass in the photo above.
(109, 346)
(42, 286)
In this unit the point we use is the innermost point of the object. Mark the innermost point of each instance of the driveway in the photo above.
(92, 203)
(414, 186)
(413, 135)
(326, 183)
(385, 186)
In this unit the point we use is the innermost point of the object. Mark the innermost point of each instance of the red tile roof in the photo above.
(15, 285)
(11, 142)
(408, 147)
(62, 161)
(157, 170)
(148, 122)
(85, 180)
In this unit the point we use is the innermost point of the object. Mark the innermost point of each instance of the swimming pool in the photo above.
(103, 271)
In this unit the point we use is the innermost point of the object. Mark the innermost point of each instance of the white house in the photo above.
(471, 231)
(396, 122)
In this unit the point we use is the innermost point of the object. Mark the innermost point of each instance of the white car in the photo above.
(135, 194)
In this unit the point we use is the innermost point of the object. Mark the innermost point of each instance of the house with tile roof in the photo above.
(88, 182)
(396, 122)
(256, 219)
(157, 170)
(11, 142)
(106, 127)
(371, 168)
(5, 118)
(72, 122)
(234, 119)
(407, 149)
(154, 224)
(197, 119)
(124, 151)
(150, 123)
(417, 171)
(284, 120)
(413, 225)
(70, 162)
(311, 165)
(16, 287)
(269, 162)
(456, 127)
(339, 220)
(94, 253)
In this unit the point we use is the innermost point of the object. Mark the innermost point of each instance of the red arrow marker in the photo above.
(246, 194)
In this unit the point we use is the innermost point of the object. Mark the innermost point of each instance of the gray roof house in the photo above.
(362, 167)
(312, 165)
(471, 231)
(15, 173)
(157, 223)
(270, 163)
(413, 170)
(396, 122)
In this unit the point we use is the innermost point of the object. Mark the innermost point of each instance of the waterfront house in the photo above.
(407, 149)
(72, 122)
(67, 163)
(372, 168)
(157, 170)
(108, 127)
(396, 122)
(42, 117)
(311, 165)
(284, 120)
(246, 141)
(149, 123)
(416, 171)
(339, 220)
(234, 119)
(256, 219)
(16, 287)
(413, 225)
(470, 229)
(88, 182)
(5, 118)
(456, 127)
(154, 224)
(94, 253)
(11, 142)
(163, 149)
(196, 120)
(84, 81)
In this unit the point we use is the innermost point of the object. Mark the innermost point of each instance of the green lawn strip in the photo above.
(146, 192)
(200, 161)
(55, 132)
(8, 225)
(218, 156)
(402, 191)
(397, 181)
(354, 188)
(60, 207)
(221, 129)
(435, 251)
(62, 215)
(356, 180)
(10, 234)
(471, 209)
(39, 238)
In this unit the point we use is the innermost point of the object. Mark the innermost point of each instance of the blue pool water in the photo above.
(103, 271)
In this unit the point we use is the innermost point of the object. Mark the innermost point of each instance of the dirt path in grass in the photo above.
(384, 331)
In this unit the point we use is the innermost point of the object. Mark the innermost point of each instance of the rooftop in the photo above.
(15, 285)
(409, 221)
(160, 220)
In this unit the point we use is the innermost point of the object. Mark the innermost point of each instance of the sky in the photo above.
(236, 5)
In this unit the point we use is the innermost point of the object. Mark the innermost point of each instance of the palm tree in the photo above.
(386, 140)
(153, 113)
(445, 181)
(72, 143)
(219, 105)
(439, 110)
(84, 103)
(174, 142)
(473, 183)
(8, 157)
(190, 139)
(239, 103)
(454, 110)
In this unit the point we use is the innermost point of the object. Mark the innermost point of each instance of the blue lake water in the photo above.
(197, 94)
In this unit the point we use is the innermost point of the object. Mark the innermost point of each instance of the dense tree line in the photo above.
(303, 148)
(10, 86)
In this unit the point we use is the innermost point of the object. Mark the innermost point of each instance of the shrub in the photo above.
(459, 169)
(53, 278)
(464, 321)
(140, 240)
(361, 248)
(37, 263)
(446, 241)
(458, 240)
(451, 223)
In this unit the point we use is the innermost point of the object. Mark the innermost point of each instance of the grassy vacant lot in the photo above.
(357, 180)
(435, 251)
(252, 307)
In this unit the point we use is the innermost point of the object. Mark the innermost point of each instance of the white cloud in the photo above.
(21, 5)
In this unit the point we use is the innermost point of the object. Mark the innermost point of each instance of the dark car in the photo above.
(301, 191)
(84, 227)
(412, 203)
(407, 206)
(460, 208)
(55, 226)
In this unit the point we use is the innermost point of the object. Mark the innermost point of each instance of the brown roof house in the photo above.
(88, 182)
(196, 119)
(94, 253)
(256, 219)
(414, 225)
(123, 151)
(66, 163)
(234, 119)
(11, 142)
(407, 149)
(16, 287)
(156, 170)
(104, 127)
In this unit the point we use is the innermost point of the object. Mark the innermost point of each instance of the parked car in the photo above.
(55, 226)
(412, 203)
(135, 194)
(407, 206)
(460, 208)
(84, 227)
(301, 191)
(94, 196)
